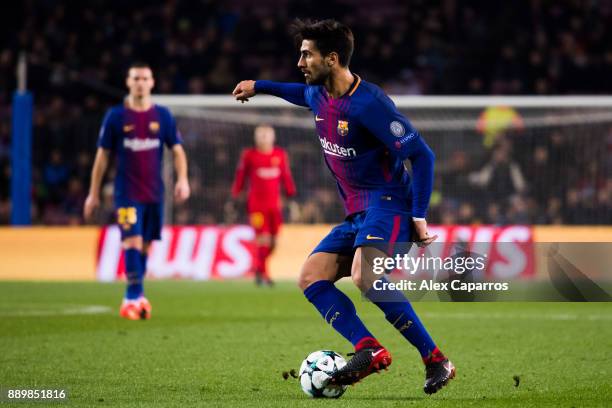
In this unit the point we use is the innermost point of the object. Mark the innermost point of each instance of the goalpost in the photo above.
(499, 160)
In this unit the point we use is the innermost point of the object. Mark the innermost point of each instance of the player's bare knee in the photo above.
(133, 243)
(317, 267)
(356, 277)
(362, 270)
(307, 277)
(356, 269)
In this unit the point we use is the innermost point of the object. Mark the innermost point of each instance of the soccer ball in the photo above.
(315, 372)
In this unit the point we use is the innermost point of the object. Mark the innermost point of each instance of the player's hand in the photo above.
(244, 90)
(421, 236)
(181, 191)
(91, 203)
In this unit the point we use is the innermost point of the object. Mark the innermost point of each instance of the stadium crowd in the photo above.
(527, 176)
(77, 54)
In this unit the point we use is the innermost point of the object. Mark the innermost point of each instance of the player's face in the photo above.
(264, 137)
(140, 82)
(314, 66)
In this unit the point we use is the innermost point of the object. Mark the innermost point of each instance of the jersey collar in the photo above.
(351, 89)
(354, 86)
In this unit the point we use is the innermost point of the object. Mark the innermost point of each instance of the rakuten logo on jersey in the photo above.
(139, 145)
(268, 173)
(334, 149)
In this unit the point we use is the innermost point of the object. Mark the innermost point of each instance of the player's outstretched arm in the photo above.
(291, 92)
(244, 90)
(97, 173)
(181, 188)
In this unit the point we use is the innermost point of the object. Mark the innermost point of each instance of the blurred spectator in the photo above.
(455, 180)
(55, 176)
(541, 172)
(500, 176)
(495, 216)
(518, 212)
(73, 201)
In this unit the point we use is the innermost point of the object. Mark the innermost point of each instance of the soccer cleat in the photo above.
(130, 309)
(369, 357)
(145, 308)
(437, 375)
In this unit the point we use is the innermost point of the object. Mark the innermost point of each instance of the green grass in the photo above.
(227, 344)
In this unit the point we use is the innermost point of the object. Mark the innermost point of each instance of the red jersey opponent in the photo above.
(266, 167)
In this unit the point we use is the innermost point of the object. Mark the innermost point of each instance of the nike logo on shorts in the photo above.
(373, 237)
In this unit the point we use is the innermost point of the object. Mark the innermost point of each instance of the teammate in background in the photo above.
(365, 142)
(136, 132)
(266, 167)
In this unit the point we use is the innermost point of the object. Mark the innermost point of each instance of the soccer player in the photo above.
(136, 132)
(365, 141)
(266, 167)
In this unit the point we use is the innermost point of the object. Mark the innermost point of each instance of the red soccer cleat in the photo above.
(369, 357)
(130, 309)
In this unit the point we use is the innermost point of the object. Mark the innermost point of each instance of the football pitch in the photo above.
(223, 344)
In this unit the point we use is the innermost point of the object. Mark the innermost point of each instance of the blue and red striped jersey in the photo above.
(138, 139)
(365, 140)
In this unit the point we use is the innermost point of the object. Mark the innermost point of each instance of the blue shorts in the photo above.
(136, 219)
(385, 229)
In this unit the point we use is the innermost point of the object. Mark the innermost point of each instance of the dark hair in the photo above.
(328, 35)
(138, 64)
